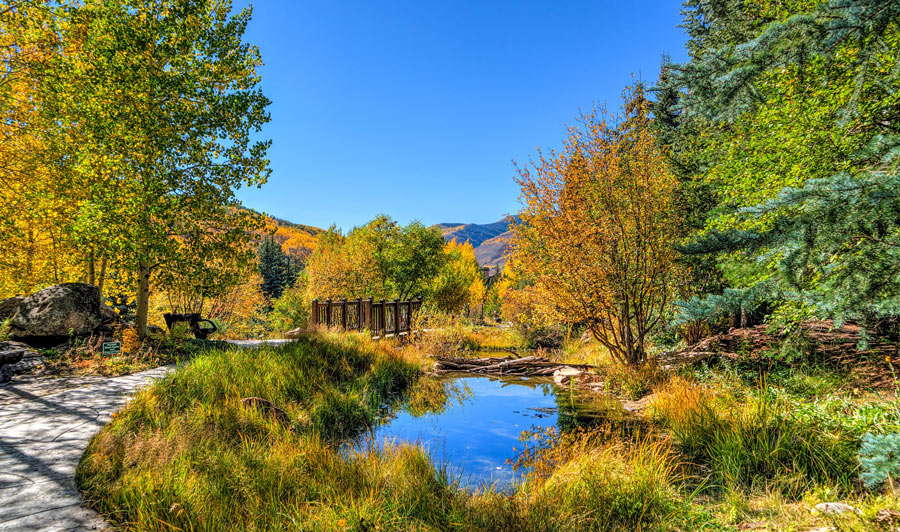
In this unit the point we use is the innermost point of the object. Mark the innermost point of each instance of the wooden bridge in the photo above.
(383, 318)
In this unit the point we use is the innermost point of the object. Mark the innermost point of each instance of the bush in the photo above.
(756, 439)
(291, 310)
(443, 334)
(542, 336)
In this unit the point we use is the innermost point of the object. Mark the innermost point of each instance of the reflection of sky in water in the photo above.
(475, 437)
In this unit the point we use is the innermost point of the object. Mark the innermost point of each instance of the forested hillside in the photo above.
(491, 241)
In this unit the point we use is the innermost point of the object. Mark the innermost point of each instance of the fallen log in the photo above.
(531, 366)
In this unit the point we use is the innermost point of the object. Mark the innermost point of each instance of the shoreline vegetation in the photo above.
(715, 449)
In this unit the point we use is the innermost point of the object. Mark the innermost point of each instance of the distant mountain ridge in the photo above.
(491, 241)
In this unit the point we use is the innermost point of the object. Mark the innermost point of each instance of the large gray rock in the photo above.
(9, 306)
(68, 309)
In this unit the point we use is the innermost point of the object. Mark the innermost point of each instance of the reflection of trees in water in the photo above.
(583, 410)
(435, 396)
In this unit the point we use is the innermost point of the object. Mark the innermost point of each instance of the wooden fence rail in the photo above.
(382, 317)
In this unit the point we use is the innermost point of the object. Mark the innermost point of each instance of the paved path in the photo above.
(45, 426)
(42, 438)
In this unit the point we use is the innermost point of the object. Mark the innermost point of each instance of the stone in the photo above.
(564, 374)
(267, 407)
(57, 312)
(835, 508)
(887, 516)
(110, 315)
(9, 306)
(294, 333)
(636, 407)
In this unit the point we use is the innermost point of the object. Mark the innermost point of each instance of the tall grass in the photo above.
(754, 440)
(188, 454)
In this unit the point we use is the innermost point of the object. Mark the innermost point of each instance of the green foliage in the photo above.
(415, 258)
(276, 269)
(291, 310)
(879, 458)
(785, 114)
(764, 439)
(153, 105)
(380, 259)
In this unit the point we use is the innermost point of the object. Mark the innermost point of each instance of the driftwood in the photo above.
(531, 366)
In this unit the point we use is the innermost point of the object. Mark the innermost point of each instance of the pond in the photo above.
(472, 424)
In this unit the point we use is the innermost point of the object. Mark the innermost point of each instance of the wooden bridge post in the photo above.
(359, 319)
(344, 313)
(328, 312)
(382, 329)
(369, 314)
(396, 317)
(315, 312)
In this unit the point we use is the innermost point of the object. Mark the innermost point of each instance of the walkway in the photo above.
(45, 426)
(42, 438)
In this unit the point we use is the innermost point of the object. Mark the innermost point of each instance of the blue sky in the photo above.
(417, 109)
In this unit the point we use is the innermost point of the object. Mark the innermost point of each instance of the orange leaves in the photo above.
(598, 227)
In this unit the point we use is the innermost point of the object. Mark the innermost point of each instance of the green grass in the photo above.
(186, 454)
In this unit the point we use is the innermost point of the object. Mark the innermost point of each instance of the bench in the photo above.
(193, 320)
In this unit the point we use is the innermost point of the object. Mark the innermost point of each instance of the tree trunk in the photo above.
(92, 270)
(143, 298)
(102, 278)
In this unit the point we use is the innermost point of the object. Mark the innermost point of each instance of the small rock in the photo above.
(886, 515)
(835, 508)
(639, 405)
(294, 333)
(267, 407)
(564, 374)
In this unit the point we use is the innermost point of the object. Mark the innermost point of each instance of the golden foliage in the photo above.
(598, 228)
(459, 285)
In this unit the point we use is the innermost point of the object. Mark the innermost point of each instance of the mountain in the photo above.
(491, 241)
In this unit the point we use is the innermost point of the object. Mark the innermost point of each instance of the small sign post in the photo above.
(112, 348)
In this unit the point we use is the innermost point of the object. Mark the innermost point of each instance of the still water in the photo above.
(472, 424)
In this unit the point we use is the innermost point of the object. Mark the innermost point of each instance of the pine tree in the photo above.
(830, 242)
(274, 268)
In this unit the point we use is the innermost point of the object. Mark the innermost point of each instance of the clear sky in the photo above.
(417, 108)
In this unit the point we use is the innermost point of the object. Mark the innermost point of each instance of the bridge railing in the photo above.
(381, 318)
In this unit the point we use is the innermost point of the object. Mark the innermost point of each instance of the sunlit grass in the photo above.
(711, 453)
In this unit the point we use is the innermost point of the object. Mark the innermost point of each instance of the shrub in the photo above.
(443, 334)
(879, 459)
(755, 439)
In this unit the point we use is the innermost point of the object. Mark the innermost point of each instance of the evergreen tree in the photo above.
(275, 268)
(829, 240)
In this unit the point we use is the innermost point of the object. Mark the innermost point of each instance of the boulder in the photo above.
(835, 508)
(267, 408)
(9, 306)
(564, 374)
(637, 407)
(57, 312)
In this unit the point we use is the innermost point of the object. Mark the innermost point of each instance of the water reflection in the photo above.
(472, 424)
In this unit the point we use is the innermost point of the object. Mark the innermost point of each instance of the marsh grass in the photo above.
(756, 440)
(187, 454)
